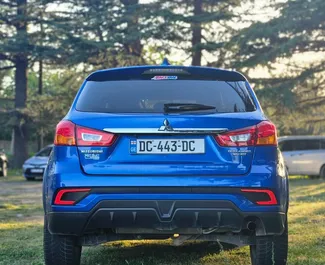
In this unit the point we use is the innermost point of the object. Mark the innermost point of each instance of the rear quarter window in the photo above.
(149, 96)
(44, 152)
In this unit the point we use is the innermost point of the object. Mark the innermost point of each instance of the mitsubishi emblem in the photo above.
(166, 126)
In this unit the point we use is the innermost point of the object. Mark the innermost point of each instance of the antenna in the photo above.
(165, 62)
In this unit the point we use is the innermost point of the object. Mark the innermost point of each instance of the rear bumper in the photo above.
(164, 216)
(33, 176)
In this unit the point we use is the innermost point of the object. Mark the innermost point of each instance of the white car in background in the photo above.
(34, 167)
(304, 155)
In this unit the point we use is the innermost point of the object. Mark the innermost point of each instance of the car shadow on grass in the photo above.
(137, 253)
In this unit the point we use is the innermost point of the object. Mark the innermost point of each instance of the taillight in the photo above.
(263, 133)
(67, 133)
(270, 198)
(90, 137)
(70, 196)
(266, 134)
(243, 137)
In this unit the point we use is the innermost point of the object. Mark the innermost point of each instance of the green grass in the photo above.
(21, 226)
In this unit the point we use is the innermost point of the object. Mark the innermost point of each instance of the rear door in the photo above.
(152, 139)
(309, 156)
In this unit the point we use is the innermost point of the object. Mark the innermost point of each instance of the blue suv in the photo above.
(157, 152)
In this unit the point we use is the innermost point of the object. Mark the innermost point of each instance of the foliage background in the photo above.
(47, 47)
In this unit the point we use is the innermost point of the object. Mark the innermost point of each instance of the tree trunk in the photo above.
(21, 64)
(20, 145)
(20, 128)
(197, 34)
(40, 77)
(133, 46)
(40, 140)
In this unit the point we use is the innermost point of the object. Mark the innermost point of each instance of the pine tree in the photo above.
(13, 51)
(300, 90)
(109, 33)
(21, 44)
(200, 27)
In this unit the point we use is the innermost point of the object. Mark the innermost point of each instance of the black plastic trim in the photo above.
(164, 215)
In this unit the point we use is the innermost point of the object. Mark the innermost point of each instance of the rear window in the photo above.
(44, 152)
(149, 96)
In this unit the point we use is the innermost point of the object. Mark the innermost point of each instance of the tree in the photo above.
(47, 109)
(20, 47)
(199, 27)
(13, 52)
(298, 31)
(109, 33)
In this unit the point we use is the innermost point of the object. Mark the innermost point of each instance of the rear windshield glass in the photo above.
(150, 96)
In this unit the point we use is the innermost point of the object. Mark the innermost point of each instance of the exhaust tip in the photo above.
(251, 226)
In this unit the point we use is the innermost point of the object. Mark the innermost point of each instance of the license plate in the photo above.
(36, 170)
(164, 146)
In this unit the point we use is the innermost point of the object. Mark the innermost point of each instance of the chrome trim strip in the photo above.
(157, 131)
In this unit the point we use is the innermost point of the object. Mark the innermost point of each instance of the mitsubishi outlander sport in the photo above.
(157, 152)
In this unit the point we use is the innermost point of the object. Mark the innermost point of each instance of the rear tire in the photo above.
(60, 250)
(322, 172)
(30, 179)
(270, 250)
(4, 170)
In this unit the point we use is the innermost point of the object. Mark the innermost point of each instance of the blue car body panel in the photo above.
(115, 167)
(66, 173)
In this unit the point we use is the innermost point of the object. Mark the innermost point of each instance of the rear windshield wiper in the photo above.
(180, 107)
